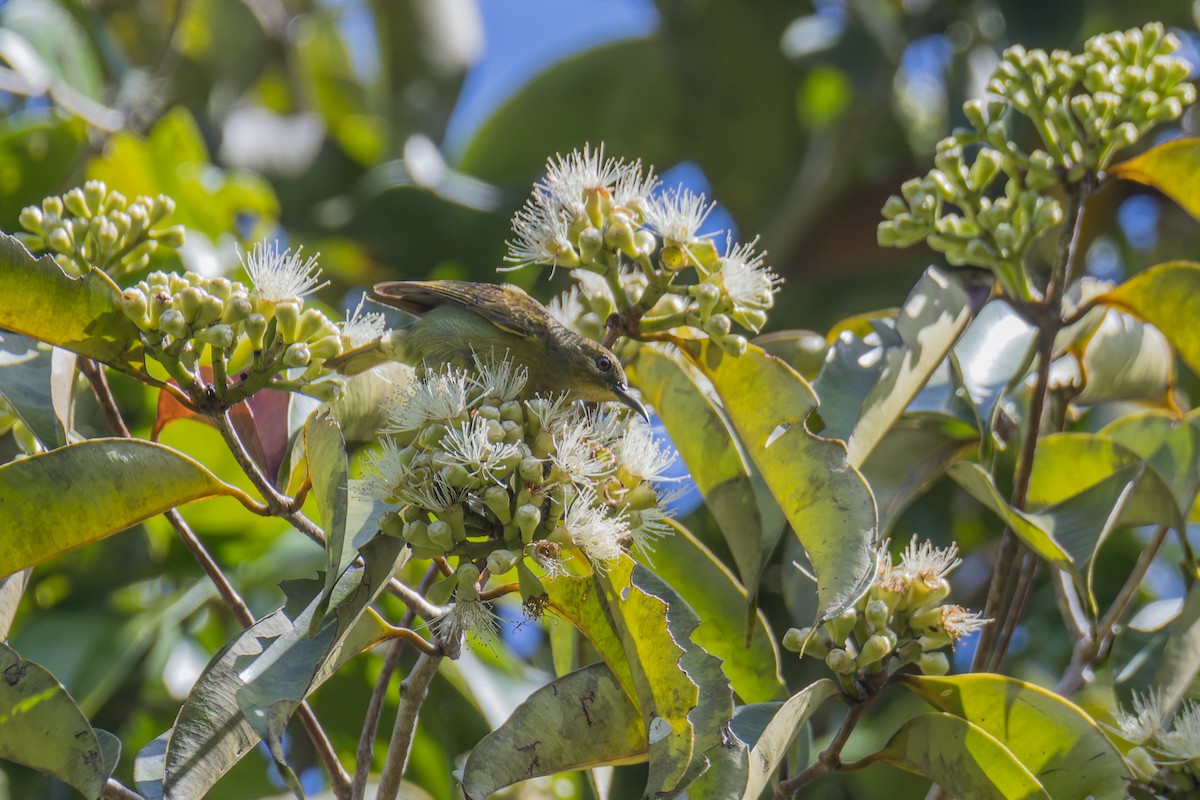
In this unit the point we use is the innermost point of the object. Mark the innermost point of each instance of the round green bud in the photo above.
(531, 585)
(794, 639)
(94, 193)
(297, 355)
(60, 240)
(514, 432)
(76, 204)
(501, 561)
(718, 325)
(236, 309)
(133, 303)
(115, 201)
(840, 626)
(468, 574)
(173, 236)
(512, 410)
(591, 242)
(160, 207)
(52, 207)
(441, 534)
(220, 336)
(497, 500)
(326, 347)
(314, 325)
(456, 475)
(734, 344)
(646, 243)
(211, 309)
(430, 435)
(32, 219)
(287, 320)
(933, 663)
(1143, 764)
(619, 235)
(392, 525)
(172, 322)
(751, 318)
(439, 593)
(878, 614)
(531, 470)
(527, 517)
(188, 302)
(840, 662)
(256, 330)
(876, 648)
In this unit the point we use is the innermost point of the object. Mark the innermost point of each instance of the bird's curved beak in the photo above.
(622, 392)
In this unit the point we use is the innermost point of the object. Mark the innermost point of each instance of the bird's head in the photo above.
(595, 374)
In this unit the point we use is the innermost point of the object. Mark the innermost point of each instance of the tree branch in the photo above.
(412, 695)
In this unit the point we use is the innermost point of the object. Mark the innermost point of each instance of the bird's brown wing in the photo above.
(503, 305)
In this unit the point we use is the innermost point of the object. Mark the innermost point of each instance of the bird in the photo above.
(459, 319)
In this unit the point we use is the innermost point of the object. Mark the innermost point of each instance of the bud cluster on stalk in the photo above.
(183, 316)
(92, 226)
(987, 200)
(476, 470)
(637, 251)
(901, 620)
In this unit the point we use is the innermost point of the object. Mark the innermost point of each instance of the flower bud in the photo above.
(31, 219)
(933, 663)
(840, 662)
(501, 561)
(646, 243)
(93, 194)
(314, 325)
(531, 470)
(718, 325)
(173, 236)
(468, 576)
(497, 500)
(60, 240)
(76, 204)
(235, 310)
(297, 355)
(134, 304)
(591, 242)
(619, 236)
(327, 347)
(220, 336)
(876, 648)
(172, 322)
(527, 518)
(392, 525)
(52, 208)
(456, 475)
(115, 201)
(256, 331)
(440, 534)
(287, 320)
(439, 593)
(840, 626)
(878, 614)
(734, 344)
(531, 586)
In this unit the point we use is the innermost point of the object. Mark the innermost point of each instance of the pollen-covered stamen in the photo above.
(501, 378)
(677, 215)
(927, 563)
(362, 328)
(958, 622)
(439, 396)
(542, 229)
(282, 276)
(640, 455)
(383, 471)
(590, 529)
(578, 455)
(570, 178)
(746, 279)
(1182, 742)
(1147, 719)
(469, 446)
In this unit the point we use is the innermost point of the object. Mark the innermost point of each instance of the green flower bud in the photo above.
(513, 432)
(793, 640)
(115, 201)
(172, 322)
(501, 561)
(287, 320)
(619, 235)
(52, 208)
(76, 204)
(527, 518)
(297, 355)
(441, 534)
(467, 575)
(734, 344)
(456, 475)
(134, 304)
(878, 614)
(173, 236)
(430, 435)
(439, 593)
(531, 586)
(220, 336)
(256, 331)
(751, 318)
(876, 648)
(236, 309)
(840, 626)
(210, 310)
(718, 325)
(840, 662)
(392, 525)
(93, 194)
(591, 242)
(32, 219)
(160, 207)
(531, 470)
(646, 243)
(314, 325)
(933, 663)
(497, 500)
(327, 347)
(60, 241)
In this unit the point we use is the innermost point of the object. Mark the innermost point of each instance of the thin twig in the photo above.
(830, 758)
(412, 695)
(366, 741)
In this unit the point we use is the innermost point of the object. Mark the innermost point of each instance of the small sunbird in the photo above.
(459, 319)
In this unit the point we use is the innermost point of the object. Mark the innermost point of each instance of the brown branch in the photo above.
(412, 695)
(830, 759)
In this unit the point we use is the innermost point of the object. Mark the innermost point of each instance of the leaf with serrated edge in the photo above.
(1051, 736)
(826, 499)
(56, 501)
(583, 719)
(42, 727)
(962, 758)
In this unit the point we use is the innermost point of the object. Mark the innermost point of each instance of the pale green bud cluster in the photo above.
(92, 226)
(603, 218)
(183, 316)
(902, 620)
(478, 472)
(1085, 108)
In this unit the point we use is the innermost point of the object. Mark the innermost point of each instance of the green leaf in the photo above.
(27, 382)
(578, 601)
(824, 497)
(803, 351)
(329, 470)
(1172, 167)
(42, 728)
(718, 600)
(1051, 736)
(769, 742)
(11, 589)
(150, 765)
(1125, 359)
(1180, 663)
(665, 692)
(81, 314)
(963, 758)
(583, 719)
(914, 344)
(1171, 446)
(910, 458)
(710, 451)
(993, 355)
(250, 688)
(1168, 297)
(56, 501)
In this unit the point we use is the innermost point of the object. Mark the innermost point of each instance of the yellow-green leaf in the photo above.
(56, 501)
(963, 758)
(1168, 297)
(824, 497)
(770, 744)
(1051, 736)
(1172, 167)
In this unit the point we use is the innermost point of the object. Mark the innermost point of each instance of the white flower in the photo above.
(542, 234)
(1147, 719)
(359, 328)
(468, 445)
(633, 188)
(439, 396)
(281, 276)
(653, 524)
(577, 453)
(383, 471)
(593, 285)
(747, 282)
(499, 378)
(569, 178)
(468, 616)
(599, 536)
(431, 494)
(642, 455)
(957, 621)
(677, 215)
(927, 563)
(1183, 740)
(567, 307)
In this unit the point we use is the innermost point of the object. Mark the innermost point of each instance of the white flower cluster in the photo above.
(1166, 747)
(476, 470)
(606, 220)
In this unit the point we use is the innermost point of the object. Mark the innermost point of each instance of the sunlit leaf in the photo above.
(577, 600)
(1168, 297)
(913, 454)
(82, 314)
(26, 383)
(42, 728)
(1051, 736)
(1172, 167)
(329, 470)
(708, 447)
(1126, 359)
(580, 720)
(962, 758)
(823, 496)
(994, 353)
(1171, 446)
(803, 351)
(56, 501)
(718, 600)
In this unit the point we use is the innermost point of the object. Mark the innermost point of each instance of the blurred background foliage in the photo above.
(397, 137)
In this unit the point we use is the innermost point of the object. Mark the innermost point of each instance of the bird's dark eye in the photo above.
(604, 363)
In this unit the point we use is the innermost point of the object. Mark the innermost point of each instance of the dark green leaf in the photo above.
(771, 733)
(1180, 663)
(26, 382)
